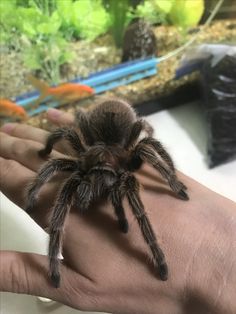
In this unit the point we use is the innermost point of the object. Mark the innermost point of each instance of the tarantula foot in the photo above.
(42, 153)
(124, 226)
(183, 195)
(163, 271)
(28, 208)
(55, 278)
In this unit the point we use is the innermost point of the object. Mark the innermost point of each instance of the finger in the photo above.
(59, 117)
(28, 274)
(23, 151)
(25, 132)
(14, 178)
(14, 183)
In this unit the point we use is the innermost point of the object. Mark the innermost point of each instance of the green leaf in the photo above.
(28, 19)
(164, 5)
(51, 24)
(151, 12)
(95, 24)
(8, 19)
(4, 37)
(67, 56)
(186, 13)
(28, 29)
(90, 18)
(65, 11)
(32, 59)
(6, 5)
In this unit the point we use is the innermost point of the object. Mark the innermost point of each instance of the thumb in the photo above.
(26, 273)
(23, 273)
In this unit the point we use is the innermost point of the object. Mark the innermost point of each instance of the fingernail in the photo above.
(53, 113)
(8, 127)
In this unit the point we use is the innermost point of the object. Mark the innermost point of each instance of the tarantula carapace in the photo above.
(110, 143)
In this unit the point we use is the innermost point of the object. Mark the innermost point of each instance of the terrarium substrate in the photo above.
(101, 54)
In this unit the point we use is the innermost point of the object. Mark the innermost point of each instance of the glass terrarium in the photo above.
(130, 49)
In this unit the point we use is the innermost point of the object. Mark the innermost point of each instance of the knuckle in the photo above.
(19, 148)
(17, 129)
(6, 166)
(83, 294)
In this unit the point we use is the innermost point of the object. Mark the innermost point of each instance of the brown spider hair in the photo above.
(107, 150)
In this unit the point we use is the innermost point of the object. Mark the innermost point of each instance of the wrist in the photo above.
(213, 268)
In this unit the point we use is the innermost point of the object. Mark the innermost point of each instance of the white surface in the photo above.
(182, 131)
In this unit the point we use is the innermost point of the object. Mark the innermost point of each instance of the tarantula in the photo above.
(109, 148)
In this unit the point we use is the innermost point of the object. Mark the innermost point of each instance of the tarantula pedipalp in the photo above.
(108, 149)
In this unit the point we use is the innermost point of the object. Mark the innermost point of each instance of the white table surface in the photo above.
(182, 131)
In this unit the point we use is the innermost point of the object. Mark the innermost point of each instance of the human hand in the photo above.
(105, 270)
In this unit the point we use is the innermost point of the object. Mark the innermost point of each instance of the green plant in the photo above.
(186, 13)
(9, 33)
(151, 12)
(83, 18)
(46, 49)
(122, 12)
(181, 13)
(47, 7)
(41, 29)
(118, 11)
(48, 55)
(36, 35)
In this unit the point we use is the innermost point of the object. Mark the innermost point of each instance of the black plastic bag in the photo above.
(219, 87)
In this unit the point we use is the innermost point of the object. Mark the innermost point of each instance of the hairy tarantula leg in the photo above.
(59, 213)
(83, 124)
(84, 195)
(67, 133)
(147, 154)
(137, 127)
(44, 175)
(148, 128)
(158, 147)
(134, 133)
(116, 200)
(145, 226)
